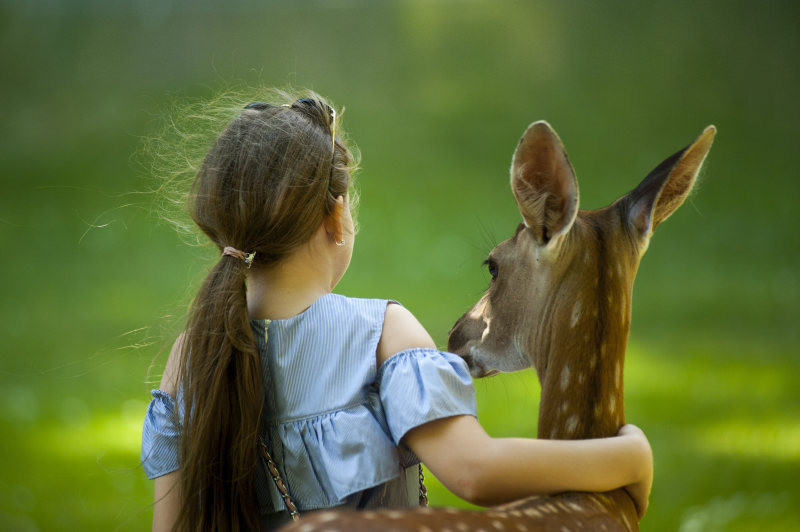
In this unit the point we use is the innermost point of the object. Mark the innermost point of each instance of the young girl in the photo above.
(344, 394)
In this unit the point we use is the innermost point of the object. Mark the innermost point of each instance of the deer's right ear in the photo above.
(667, 187)
(544, 183)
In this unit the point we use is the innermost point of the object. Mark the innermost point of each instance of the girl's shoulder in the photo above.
(169, 380)
(401, 331)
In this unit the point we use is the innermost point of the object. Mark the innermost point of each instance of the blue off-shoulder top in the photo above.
(333, 421)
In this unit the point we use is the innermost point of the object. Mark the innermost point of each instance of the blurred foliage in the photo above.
(436, 96)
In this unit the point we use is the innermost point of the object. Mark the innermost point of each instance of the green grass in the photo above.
(437, 94)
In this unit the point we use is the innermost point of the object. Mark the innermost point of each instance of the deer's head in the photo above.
(560, 295)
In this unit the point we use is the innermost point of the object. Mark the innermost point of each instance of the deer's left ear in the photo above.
(544, 183)
(667, 187)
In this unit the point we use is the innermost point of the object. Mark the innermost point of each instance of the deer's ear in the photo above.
(544, 183)
(666, 187)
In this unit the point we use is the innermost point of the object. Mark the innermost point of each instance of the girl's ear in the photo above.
(333, 223)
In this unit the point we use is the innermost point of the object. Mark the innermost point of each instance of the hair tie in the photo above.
(241, 255)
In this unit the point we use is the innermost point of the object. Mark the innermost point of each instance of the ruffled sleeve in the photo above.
(161, 435)
(421, 385)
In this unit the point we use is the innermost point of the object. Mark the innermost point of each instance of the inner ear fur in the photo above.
(544, 183)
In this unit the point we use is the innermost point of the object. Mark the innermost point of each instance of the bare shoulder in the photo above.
(169, 381)
(401, 330)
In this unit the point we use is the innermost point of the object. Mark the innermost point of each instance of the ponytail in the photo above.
(222, 393)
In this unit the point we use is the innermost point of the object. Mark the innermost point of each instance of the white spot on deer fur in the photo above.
(575, 506)
(478, 309)
(592, 362)
(618, 374)
(572, 424)
(394, 515)
(462, 526)
(576, 314)
(424, 528)
(488, 322)
(564, 407)
(565, 529)
(612, 404)
(498, 525)
(522, 528)
(598, 410)
(308, 527)
(581, 378)
(565, 371)
(325, 517)
(533, 513)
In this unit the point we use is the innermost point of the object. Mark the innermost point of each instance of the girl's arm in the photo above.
(485, 470)
(167, 502)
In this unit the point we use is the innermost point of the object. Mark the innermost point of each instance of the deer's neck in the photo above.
(582, 371)
(583, 398)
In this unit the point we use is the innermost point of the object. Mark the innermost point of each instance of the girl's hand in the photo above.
(640, 490)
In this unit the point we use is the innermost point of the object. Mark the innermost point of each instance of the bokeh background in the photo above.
(95, 284)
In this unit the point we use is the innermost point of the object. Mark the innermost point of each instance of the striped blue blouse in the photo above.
(333, 420)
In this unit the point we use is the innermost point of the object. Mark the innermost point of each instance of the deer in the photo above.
(559, 301)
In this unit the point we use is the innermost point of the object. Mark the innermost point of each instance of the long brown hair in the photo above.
(265, 186)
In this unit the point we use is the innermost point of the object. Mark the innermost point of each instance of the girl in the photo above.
(343, 394)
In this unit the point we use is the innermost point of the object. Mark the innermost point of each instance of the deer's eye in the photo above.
(492, 266)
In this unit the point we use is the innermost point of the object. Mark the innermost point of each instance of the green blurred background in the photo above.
(437, 94)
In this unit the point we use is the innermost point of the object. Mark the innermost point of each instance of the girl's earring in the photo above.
(340, 242)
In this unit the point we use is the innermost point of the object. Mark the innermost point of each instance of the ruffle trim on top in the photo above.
(326, 458)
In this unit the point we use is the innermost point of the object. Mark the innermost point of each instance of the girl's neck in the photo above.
(267, 299)
(291, 286)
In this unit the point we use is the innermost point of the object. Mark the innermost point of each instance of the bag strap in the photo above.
(423, 491)
(279, 483)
